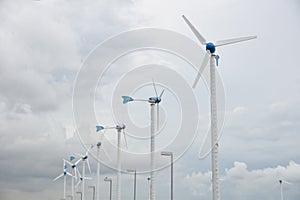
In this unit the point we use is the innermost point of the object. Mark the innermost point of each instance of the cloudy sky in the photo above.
(46, 44)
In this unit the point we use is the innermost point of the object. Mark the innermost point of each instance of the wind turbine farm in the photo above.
(149, 100)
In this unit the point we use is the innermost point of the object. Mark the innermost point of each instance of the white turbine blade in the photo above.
(106, 154)
(286, 182)
(59, 176)
(195, 31)
(78, 183)
(125, 139)
(154, 87)
(232, 41)
(88, 164)
(78, 173)
(78, 161)
(68, 162)
(162, 92)
(87, 178)
(202, 67)
(69, 174)
(78, 154)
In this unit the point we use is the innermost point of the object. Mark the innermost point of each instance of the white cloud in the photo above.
(239, 182)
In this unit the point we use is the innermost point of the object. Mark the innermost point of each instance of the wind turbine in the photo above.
(120, 128)
(153, 101)
(74, 169)
(213, 58)
(84, 158)
(281, 187)
(64, 174)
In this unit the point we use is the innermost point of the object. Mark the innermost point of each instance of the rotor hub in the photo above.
(211, 47)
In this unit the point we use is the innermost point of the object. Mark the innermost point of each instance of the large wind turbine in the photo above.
(153, 101)
(120, 128)
(64, 174)
(210, 55)
(84, 159)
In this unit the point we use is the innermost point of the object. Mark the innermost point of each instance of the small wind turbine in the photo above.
(153, 101)
(84, 159)
(74, 176)
(64, 174)
(120, 128)
(210, 55)
(281, 187)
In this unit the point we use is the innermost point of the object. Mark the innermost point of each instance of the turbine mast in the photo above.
(98, 173)
(152, 152)
(214, 131)
(119, 166)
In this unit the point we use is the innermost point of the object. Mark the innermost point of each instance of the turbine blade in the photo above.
(232, 41)
(106, 154)
(59, 176)
(88, 164)
(162, 92)
(68, 162)
(78, 161)
(203, 65)
(78, 183)
(127, 99)
(195, 31)
(77, 173)
(78, 154)
(154, 87)
(99, 128)
(125, 139)
(69, 174)
(287, 182)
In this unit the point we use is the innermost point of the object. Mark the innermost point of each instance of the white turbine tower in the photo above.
(84, 158)
(120, 128)
(210, 55)
(98, 172)
(153, 101)
(64, 174)
(74, 173)
(281, 187)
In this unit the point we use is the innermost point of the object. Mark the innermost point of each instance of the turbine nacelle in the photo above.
(154, 100)
(210, 47)
(120, 127)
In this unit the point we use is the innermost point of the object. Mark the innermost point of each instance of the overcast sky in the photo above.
(45, 44)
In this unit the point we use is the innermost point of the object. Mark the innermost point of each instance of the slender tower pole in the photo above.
(134, 197)
(281, 190)
(152, 149)
(65, 186)
(98, 173)
(83, 179)
(118, 187)
(72, 184)
(214, 130)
